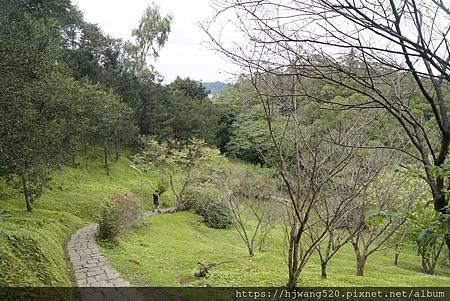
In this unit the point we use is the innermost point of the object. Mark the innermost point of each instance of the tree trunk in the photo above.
(29, 204)
(447, 240)
(396, 258)
(441, 202)
(85, 154)
(293, 258)
(293, 278)
(26, 194)
(250, 251)
(106, 159)
(360, 264)
(178, 204)
(427, 265)
(323, 267)
(85, 147)
(74, 161)
(117, 149)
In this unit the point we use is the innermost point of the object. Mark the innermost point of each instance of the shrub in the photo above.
(214, 214)
(116, 214)
(203, 199)
(190, 200)
(430, 244)
(430, 228)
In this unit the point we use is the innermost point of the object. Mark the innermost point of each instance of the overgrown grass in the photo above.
(164, 251)
(32, 245)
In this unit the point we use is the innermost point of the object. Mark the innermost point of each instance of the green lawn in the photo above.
(32, 244)
(164, 250)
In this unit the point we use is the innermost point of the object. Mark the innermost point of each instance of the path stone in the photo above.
(91, 269)
(89, 265)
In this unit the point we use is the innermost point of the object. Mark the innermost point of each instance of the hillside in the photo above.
(32, 243)
(155, 255)
(214, 87)
(306, 168)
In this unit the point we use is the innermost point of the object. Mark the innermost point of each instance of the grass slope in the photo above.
(32, 244)
(164, 251)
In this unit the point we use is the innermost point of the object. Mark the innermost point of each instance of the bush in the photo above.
(214, 214)
(429, 232)
(430, 244)
(116, 214)
(203, 195)
(190, 201)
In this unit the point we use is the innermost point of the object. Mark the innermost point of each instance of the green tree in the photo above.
(32, 121)
(188, 118)
(110, 124)
(250, 139)
(180, 163)
(149, 38)
(188, 88)
(45, 115)
(428, 231)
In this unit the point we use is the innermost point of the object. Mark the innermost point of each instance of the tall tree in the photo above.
(188, 88)
(45, 114)
(32, 104)
(149, 38)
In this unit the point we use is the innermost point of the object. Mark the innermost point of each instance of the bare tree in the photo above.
(395, 53)
(307, 155)
(379, 213)
(339, 201)
(254, 209)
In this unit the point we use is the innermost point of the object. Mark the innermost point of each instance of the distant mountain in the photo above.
(214, 87)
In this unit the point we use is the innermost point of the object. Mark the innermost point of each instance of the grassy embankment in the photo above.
(165, 249)
(32, 244)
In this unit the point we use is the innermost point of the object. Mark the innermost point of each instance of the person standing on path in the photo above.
(156, 201)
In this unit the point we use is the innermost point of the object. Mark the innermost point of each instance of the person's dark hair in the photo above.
(156, 190)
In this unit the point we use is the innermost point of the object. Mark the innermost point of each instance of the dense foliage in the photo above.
(214, 214)
(67, 88)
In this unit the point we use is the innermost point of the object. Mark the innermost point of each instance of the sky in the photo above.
(185, 54)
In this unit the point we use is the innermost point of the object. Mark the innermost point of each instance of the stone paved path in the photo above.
(90, 267)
